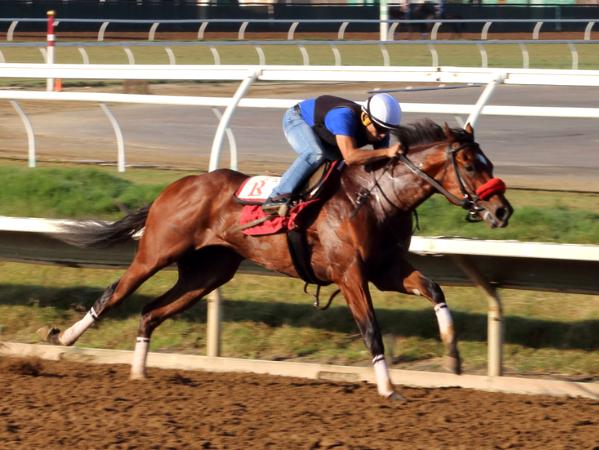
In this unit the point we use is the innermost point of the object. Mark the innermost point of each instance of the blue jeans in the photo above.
(312, 153)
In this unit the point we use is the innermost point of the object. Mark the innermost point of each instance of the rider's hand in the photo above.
(394, 150)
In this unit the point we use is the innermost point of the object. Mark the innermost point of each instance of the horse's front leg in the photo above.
(354, 287)
(402, 277)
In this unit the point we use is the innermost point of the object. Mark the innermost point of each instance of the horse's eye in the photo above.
(469, 168)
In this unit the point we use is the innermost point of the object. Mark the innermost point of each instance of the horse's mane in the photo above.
(426, 131)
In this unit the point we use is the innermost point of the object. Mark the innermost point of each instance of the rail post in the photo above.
(50, 51)
(213, 325)
(341, 31)
(120, 142)
(11, 30)
(483, 99)
(587, 31)
(525, 56)
(102, 30)
(384, 17)
(28, 130)
(214, 299)
(494, 317)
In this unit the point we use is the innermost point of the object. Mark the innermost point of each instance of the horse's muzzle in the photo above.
(496, 211)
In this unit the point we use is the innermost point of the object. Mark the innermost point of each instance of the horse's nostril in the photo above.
(501, 213)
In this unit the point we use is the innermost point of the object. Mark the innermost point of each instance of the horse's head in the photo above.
(469, 180)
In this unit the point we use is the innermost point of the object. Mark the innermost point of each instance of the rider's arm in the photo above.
(354, 156)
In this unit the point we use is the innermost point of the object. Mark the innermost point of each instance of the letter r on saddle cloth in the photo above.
(256, 188)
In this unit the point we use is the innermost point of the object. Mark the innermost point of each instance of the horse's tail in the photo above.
(104, 234)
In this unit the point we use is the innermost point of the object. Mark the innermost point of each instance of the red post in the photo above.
(50, 48)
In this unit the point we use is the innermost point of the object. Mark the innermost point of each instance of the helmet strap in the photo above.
(365, 119)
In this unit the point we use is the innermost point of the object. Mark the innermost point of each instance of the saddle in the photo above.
(254, 191)
(254, 221)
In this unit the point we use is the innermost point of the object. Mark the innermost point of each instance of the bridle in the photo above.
(469, 201)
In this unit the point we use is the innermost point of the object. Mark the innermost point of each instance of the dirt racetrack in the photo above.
(66, 405)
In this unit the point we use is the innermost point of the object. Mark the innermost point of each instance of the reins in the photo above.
(465, 202)
(364, 194)
(469, 201)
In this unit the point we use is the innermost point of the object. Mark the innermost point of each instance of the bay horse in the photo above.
(360, 235)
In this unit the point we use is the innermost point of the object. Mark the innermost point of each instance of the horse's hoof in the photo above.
(395, 396)
(137, 376)
(453, 364)
(49, 334)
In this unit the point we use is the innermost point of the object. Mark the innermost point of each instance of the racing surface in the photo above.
(59, 405)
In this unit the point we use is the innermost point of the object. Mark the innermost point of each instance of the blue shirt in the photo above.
(339, 121)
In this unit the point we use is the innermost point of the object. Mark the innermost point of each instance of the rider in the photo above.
(332, 128)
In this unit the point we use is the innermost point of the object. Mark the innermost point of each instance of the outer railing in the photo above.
(303, 45)
(487, 264)
(249, 74)
(390, 25)
(387, 30)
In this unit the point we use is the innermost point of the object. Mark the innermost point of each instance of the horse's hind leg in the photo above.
(402, 277)
(144, 265)
(199, 273)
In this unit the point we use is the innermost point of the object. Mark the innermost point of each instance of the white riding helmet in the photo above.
(383, 110)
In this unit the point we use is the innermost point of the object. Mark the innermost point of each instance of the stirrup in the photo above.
(281, 209)
(279, 204)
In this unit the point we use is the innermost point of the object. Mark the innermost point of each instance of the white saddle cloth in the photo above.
(257, 189)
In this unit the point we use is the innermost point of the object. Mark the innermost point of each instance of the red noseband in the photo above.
(491, 187)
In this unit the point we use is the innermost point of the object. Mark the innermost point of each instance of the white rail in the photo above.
(248, 74)
(441, 74)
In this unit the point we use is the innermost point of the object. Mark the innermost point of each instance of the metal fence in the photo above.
(419, 27)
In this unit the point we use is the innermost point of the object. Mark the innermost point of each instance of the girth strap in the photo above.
(300, 255)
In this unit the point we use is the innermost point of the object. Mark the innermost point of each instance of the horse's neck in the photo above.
(392, 190)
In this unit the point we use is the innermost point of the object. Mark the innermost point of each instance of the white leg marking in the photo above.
(71, 334)
(383, 382)
(444, 319)
(140, 355)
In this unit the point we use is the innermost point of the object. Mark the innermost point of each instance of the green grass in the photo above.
(556, 56)
(69, 193)
(554, 222)
(103, 193)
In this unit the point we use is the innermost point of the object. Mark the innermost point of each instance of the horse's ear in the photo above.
(448, 133)
(468, 128)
